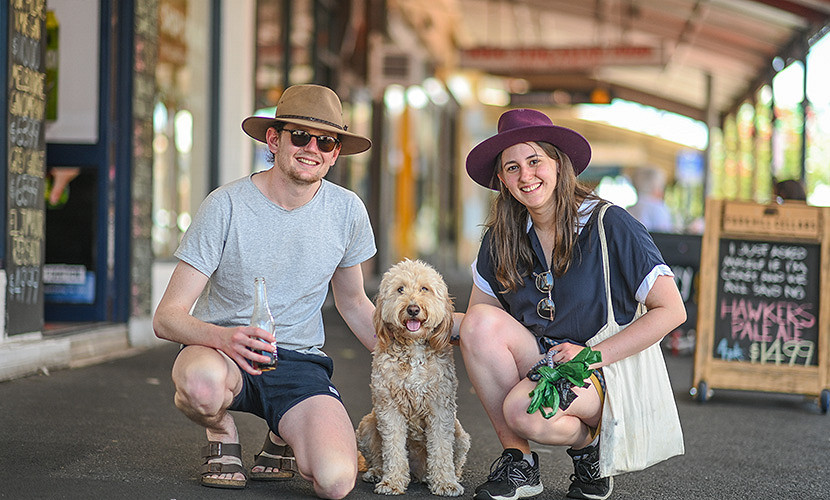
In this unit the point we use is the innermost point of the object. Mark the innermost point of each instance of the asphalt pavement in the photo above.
(111, 431)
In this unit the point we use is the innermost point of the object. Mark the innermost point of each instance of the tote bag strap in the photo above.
(606, 268)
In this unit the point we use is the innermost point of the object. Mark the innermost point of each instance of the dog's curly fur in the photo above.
(414, 387)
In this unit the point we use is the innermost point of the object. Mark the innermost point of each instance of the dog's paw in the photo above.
(373, 475)
(391, 487)
(446, 489)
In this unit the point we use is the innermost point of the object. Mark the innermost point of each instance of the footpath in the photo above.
(111, 431)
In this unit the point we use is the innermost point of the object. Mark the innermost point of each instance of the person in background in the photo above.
(541, 293)
(651, 209)
(302, 233)
(57, 183)
(789, 190)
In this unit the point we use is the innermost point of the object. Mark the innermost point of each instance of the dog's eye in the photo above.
(400, 289)
(424, 289)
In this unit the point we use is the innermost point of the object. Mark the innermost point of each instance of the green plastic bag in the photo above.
(576, 371)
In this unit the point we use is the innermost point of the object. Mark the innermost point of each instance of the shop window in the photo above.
(788, 129)
(818, 123)
(180, 120)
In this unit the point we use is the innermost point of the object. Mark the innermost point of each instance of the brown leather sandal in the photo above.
(280, 457)
(213, 451)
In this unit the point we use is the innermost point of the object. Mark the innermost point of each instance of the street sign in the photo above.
(497, 60)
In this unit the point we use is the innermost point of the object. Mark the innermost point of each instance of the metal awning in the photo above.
(672, 54)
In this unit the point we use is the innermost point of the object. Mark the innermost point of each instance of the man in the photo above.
(651, 209)
(301, 233)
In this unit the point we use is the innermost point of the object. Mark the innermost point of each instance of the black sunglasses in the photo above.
(325, 143)
(545, 308)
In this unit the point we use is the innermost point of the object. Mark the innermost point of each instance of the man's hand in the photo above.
(240, 342)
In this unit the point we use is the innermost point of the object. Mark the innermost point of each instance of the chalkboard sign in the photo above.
(764, 302)
(682, 254)
(26, 164)
(767, 302)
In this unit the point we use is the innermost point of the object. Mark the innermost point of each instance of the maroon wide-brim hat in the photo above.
(525, 125)
(314, 106)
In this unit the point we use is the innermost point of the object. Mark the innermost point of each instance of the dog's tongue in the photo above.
(413, 325)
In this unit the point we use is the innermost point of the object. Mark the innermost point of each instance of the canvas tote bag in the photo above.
(640, 425)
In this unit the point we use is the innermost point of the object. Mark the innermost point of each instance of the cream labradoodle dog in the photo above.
(412, 427)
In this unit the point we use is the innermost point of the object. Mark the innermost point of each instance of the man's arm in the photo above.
(353, 304)
(173, 321)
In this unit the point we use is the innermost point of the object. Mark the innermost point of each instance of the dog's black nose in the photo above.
(413, 310)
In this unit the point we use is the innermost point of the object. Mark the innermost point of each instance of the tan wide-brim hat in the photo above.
(312, 106)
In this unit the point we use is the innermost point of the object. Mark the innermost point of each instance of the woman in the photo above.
(541, 288)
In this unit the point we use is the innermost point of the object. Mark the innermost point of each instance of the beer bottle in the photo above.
(262, 318)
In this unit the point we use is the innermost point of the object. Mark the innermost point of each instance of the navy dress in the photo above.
(579, 294)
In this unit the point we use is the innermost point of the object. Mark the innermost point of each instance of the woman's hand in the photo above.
(565, 352)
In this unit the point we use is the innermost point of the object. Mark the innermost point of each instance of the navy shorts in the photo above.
(297, 377)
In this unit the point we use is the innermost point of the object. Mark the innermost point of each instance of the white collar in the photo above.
(584, 213)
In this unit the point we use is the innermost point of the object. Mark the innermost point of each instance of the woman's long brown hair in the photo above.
(510, 248)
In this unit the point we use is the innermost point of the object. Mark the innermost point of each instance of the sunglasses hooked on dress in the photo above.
(544, 283)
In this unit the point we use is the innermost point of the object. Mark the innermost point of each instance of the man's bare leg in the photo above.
(206, 382)
(322, 436)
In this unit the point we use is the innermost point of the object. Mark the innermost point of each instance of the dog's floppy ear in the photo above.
(440, 338)
(383, 334)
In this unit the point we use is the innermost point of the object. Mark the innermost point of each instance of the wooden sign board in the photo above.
(763, 321)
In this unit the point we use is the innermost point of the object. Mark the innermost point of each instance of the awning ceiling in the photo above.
(665, 53)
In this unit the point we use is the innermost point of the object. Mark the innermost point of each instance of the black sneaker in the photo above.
(511, 477)
(585, 481)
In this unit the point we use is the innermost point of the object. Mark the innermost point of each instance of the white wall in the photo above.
(78, 38)
(237, 87)
(2, 305)
(198, 47)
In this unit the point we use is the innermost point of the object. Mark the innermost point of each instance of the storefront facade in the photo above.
(121, 116)
(80, 187)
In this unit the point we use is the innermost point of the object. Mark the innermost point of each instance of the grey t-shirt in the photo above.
(239, 234)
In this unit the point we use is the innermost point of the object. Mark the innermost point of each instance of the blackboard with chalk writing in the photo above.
(767, 302)
(26, 152)
(764, 300)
